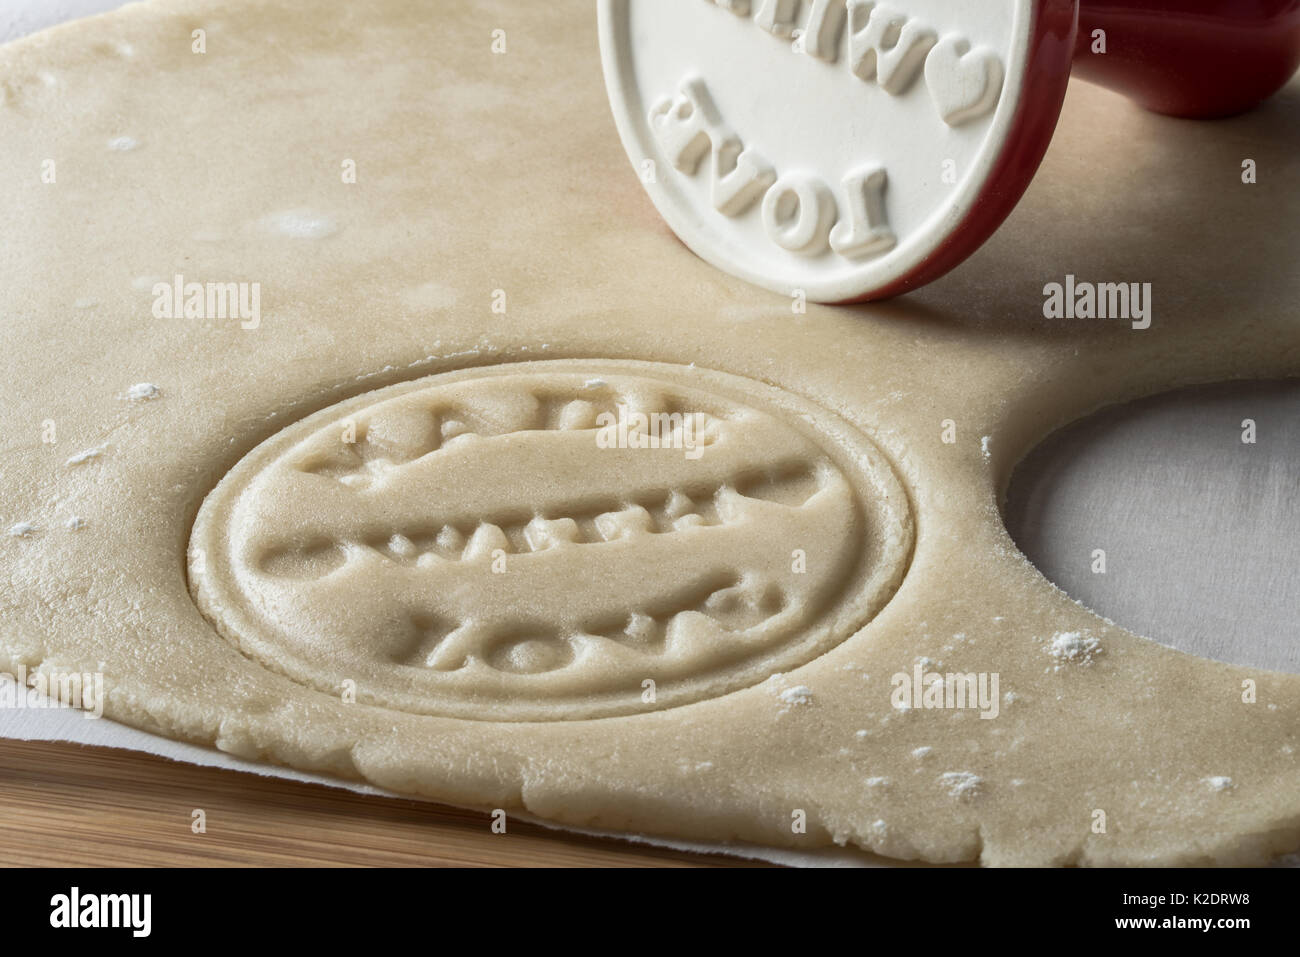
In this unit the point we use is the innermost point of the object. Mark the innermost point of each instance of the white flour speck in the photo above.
(75, 523)
(799, 694)
(1219, 783)
(122, 144)
(687, 766)
(22, 529)
(81, 458)
(1073, 646)
(984, 446)
(961, 784)
(877, 782)
(922, 751)
(141, 391)
(301, 224)
(861, 734)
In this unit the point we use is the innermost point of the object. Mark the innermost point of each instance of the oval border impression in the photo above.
(290, 558)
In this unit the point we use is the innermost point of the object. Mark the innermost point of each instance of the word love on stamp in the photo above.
(834, 148)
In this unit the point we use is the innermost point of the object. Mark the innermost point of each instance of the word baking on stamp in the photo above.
(800, 211)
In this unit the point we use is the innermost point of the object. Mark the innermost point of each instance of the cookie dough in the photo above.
(425, 223)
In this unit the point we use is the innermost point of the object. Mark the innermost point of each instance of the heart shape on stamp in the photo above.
(964, 83)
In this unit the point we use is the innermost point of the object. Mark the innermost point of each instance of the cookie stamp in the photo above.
(552, 541)
(828, 147)
(849, 150)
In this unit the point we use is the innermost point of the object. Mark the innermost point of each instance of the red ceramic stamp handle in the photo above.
(1194, 58)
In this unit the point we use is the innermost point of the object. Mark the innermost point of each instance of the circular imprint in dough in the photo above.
(552, 540)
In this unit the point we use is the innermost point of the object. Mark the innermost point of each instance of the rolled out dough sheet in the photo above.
(495, 240)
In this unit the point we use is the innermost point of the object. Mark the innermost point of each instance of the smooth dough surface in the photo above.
(484, 178)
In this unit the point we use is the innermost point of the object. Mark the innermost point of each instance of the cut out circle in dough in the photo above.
(1093, 504)
(424, 541)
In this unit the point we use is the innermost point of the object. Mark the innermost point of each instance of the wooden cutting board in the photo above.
(70, 805)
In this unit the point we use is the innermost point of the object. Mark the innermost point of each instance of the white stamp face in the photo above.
(552, 541)
(823, 146)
